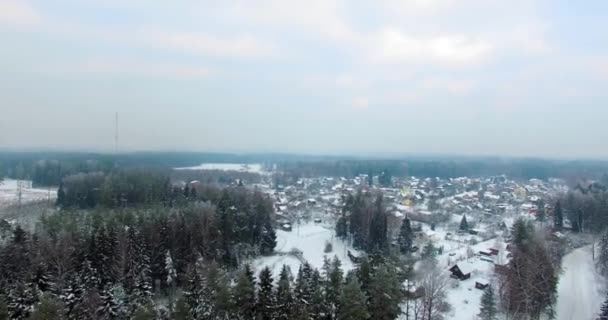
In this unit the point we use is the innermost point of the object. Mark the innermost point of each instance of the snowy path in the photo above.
(580, 290)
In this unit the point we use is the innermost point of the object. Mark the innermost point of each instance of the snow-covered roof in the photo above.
(465, 267)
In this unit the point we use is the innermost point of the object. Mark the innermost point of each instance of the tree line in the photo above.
(88, 260)
(586, 207)
(364, 221)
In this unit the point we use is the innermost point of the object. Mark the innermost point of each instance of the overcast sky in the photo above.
(469, 77)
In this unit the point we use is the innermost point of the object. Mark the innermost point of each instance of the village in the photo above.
(473, 255)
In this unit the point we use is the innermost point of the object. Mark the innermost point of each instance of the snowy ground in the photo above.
(9, 192)
(309, 238)
(580, 289)
(254, 168)
(462, 295)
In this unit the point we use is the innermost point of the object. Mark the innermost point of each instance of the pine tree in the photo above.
(405, 237)
(558, 216)
(352, 302)
(384, 295)
(334, 279)
(602, 258)
(603, 310)
(265, 305)
(110, 307)
(488, 305)
(21, 301)
(49, 308)
(3, 308)
(318, 304)
(170, 270)
(284, 295)
(244, 296)
(72, 296)
(464, 225)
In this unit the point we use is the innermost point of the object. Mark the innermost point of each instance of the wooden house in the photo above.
(460, 272)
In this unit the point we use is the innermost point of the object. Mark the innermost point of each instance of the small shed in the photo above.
(286, 227)
(460, 272)
(481, 284)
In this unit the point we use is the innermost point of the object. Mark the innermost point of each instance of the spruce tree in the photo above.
(60, 196)
(244, 296)
(144, 312)
(170, 271)
(364, 274)
(334, 285)
(284, 295)
(385, 295)
(265, 305)
(541, 215)
(224, 309)
(318, 304)
(488, 305)
(181, 310)
(352, 302)
(269, 239)
(195, 293)
(49, 308)
(303, 290)
(405, 237)
(341, 228)
(3, 308)
(464, 225)
(558, 216)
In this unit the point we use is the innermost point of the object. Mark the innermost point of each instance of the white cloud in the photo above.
(360, 102)
(452, 86)
(205, 44)
(394, 46)
(18, 13)
(132, 67)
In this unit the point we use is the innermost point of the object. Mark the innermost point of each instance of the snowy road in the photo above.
(580, 290)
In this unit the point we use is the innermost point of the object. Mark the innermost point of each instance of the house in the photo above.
(460, 272)
(481, 284)
(485, 252)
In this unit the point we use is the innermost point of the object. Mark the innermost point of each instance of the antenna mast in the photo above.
(116, 134)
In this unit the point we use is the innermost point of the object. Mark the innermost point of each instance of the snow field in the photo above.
(310, 239)
(253, 168)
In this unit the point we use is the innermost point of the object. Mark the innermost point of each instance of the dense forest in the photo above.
(124, 236)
